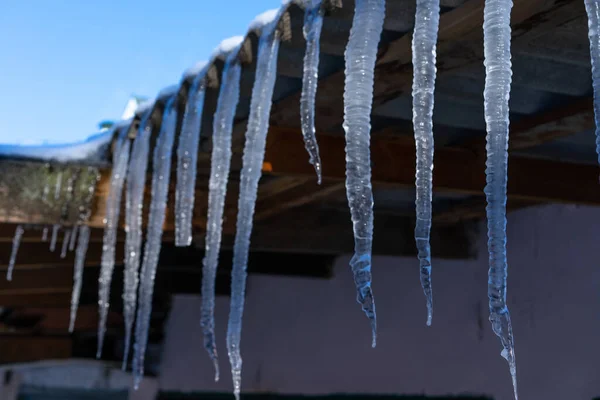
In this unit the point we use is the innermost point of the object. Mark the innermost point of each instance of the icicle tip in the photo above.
(217, 373)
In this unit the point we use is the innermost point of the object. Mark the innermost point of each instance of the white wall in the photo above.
(310, 337)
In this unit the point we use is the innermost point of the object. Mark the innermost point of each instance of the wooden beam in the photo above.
(456, 170)
(459, 45)
(559, 122)
(473, 209)
(554, 124)
(307, 193)
(317, 230)
(18, 349)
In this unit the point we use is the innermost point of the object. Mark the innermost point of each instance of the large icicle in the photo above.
(111, 221)
(187, 158)
(219, 176)
(254, 152)
(424, 55)
(15, 250)
(497, 32)
(136, 183)
(160, 188)
(361, 54)
(313, 23)
(593, 11)
(82, 246)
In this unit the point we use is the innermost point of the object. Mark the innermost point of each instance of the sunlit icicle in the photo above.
(73, 240)
(497, 37)
(424, 56)
(45, 234)
(593, 12)
(111, 221)
(65, 244)
(187, 158)
(254, 151)
(361, 54)
(136, 183)
(219, 176)
(58, 186)
(54, 237)
(15, 250)
(160, 188)
(313, 24)
(82, 246)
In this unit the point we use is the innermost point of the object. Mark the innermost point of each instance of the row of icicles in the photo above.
(76, 235)
(130, 167)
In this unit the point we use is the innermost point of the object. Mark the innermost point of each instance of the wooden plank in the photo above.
(304, 194)
(456, 170)
(541, 128)
(17, 349)
(473, 209)
(20, 299)
(460, 45)
(329, 231)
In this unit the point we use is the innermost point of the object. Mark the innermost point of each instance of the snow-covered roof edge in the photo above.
(93, 150)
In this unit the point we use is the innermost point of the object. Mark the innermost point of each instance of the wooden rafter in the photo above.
(456, 170)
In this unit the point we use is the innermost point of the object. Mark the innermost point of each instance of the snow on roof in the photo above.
(168, 91)
(91, 149)
(264, 19)
(145, 106)
(195, 69)
(228, 45)
(130, 108)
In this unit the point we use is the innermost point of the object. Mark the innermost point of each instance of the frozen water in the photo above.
(361, 54)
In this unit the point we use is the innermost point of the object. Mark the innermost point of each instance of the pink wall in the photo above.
(310, 336)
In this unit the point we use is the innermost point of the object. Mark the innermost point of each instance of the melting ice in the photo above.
(254, 151)
(187, 158)
(219, 176)
(160, 188)
(82, 246)
(358, 98)
(497, 35)
(113, 209)
(424, 55)
(313, 23)
(136, 182)
(15, 250)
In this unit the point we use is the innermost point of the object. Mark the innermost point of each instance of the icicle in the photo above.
(219, 176)
(45, 234)
(136, 182)
(113, 209)
(361, 54)
(497, 32)
(45, 192)
(187, 158)
(160, 188)
(65, 244)
(313, 23)
(424, 55)
(15, 250)
(254, 152)
(73, 240)
(54, 237)
(593, 11)
(82, 246)
(58, 186)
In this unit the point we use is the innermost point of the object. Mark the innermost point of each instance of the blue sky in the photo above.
(68, 64)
